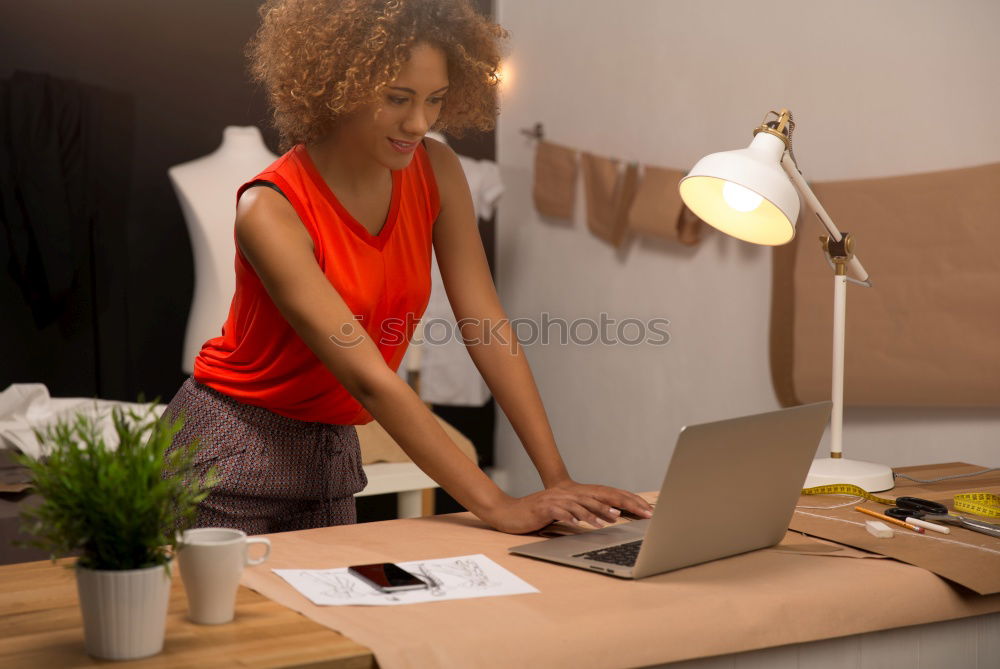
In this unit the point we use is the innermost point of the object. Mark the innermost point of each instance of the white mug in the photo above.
(212, 560)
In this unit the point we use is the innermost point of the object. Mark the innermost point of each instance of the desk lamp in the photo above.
(753, 194)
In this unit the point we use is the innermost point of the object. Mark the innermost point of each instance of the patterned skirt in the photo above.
(275, 474)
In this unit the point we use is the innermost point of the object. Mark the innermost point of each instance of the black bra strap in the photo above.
(268, 184)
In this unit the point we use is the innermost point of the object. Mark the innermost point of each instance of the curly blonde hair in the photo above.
(322, 59)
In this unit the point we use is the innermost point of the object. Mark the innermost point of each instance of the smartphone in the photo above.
(386, 577)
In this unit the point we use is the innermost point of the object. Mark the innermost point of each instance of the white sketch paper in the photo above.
(461, 577)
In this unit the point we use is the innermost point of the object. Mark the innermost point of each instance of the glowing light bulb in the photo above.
(505, 74)
(740, 198)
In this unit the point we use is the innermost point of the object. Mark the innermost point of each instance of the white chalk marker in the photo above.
(930, 526)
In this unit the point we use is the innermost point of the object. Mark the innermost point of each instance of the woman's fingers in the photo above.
(585, 506)
(624, 500)
(557, 512)
(582, 513)
(612, 498)
(565, 506)
(577, 503)
(599, 508)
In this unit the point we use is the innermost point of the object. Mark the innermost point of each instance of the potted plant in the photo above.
(119, 507)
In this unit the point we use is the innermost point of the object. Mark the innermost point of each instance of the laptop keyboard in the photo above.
(622, 554)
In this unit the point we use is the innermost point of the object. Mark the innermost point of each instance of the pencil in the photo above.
(887, 519)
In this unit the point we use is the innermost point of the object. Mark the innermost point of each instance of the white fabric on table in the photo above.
(26, 407)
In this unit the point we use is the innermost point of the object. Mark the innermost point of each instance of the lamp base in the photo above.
(867, 475)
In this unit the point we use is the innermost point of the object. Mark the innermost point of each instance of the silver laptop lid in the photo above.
(731, 487)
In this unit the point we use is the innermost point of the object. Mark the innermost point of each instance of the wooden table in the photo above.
(41, 626)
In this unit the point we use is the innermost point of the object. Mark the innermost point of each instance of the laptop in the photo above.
(731, 487)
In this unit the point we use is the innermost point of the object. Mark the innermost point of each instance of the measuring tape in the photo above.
(979, 503)
(847, 489)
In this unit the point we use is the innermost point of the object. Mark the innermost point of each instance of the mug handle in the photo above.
(267, 551)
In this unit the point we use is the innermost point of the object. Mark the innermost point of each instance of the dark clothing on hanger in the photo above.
(47, 201)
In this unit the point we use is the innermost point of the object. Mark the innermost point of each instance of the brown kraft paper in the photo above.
(969, 558)
(555, 180)
(609, 193)
(689, 228)
(926, 333)
(584, 620)
(656, 211)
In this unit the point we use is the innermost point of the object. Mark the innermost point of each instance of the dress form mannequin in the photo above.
(206, 188)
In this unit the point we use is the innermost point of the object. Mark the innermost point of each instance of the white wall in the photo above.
(877, 88)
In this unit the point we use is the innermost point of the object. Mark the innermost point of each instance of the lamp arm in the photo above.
(792, 170)
(839, 302)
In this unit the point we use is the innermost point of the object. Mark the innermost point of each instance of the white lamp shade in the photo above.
(716, 190)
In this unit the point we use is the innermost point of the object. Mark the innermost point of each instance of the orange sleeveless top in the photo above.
(383, 278)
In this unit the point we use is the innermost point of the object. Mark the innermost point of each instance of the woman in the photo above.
(333, 260)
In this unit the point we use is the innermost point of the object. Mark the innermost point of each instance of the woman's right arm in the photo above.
(274, 241)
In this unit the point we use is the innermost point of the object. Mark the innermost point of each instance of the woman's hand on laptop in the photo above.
(570, 501)
(620, 500)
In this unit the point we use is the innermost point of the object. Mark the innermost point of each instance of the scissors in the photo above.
(924, 509)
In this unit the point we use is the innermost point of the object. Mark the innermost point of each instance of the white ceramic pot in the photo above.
(124, 612)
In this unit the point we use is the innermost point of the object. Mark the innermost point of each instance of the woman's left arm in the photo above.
(486, 329)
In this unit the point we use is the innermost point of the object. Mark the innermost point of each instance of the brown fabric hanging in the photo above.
(555, 180)
(656, 211)
(926, 333)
